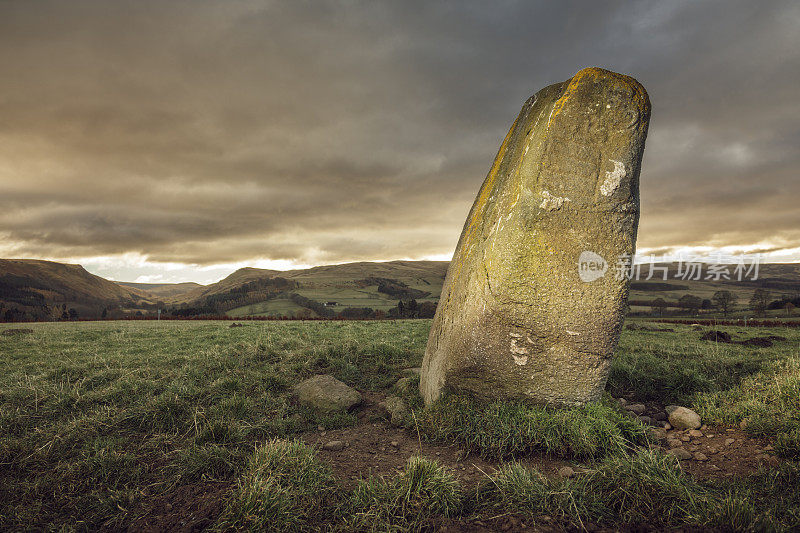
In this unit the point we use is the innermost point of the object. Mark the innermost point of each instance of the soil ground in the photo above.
(373, 447)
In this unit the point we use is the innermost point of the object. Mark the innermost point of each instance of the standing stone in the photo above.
(533, 303)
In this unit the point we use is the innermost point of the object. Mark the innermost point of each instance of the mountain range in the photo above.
(46, 290)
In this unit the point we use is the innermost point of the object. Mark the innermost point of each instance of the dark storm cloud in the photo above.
(210, 132)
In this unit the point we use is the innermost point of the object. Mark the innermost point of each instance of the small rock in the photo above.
(395, 443)
(622, 401)
(333, 446)
(768, 448)
(674, 443)
(405, 385)
(728, 442)
(685, 438)
(395, 409)
(743, 424)
(684, 418)
(647, 421)
(699, 456)
(320, 428)
(657, 434)
(326, 393)
(695, 433)
(637, 408)
(566, 472)
(680, 454)
(667, 426)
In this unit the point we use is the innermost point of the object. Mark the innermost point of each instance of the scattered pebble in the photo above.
(680, 453)
(333, 446)
(637, 408)
(566, 472)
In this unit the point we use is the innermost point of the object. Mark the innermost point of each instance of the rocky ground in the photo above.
(377, 447)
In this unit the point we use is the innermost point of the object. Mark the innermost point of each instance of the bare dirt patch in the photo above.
(375, 447)
(185, 509)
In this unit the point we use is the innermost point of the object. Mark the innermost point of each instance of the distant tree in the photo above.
(658, 306)
(760, 301)
(73, 313)
(706, 304)
(725, 301)
(105, 313)
(64, 315)
(790, 307)
(427, 309)
(690, 303)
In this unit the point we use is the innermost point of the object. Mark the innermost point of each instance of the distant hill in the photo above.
(378, 286)
(44, 290)
(162, 290)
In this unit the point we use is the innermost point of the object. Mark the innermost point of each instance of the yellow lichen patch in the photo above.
(639, 94)
(480, 203)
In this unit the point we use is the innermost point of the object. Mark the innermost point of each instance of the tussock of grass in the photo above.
(768, 402)
(504, 429)
(643, 488)
(284, 488)
(406, 501)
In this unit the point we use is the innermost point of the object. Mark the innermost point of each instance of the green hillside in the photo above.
(44, 290)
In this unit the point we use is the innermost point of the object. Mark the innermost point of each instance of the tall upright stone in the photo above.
(533, 302)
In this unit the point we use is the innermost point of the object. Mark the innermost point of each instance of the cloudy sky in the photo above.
(170, 140)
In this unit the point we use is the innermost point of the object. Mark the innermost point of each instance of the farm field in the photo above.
(194, 425)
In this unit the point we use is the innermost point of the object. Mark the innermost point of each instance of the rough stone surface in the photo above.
(637, 408)
(524, 313)
(657, 434)
(680, 453)
(396, 409)
(327, 393)
(684, 418)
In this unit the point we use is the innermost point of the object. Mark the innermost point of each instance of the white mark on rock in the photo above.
(521, 360)
(613, 178)
(573, 333)
(551, 202)
(608, 106)
(515, 335)
(519, 350)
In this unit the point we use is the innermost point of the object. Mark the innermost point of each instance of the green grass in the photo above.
(278, 307)
(768, 404)
(406, 502)
(98, 418)
(284, 488)
(506, 429)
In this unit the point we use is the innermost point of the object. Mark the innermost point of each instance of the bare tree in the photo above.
(725, 301)
(760, 301)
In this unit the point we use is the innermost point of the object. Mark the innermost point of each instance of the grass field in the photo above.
(278, 307)
(97, 418)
